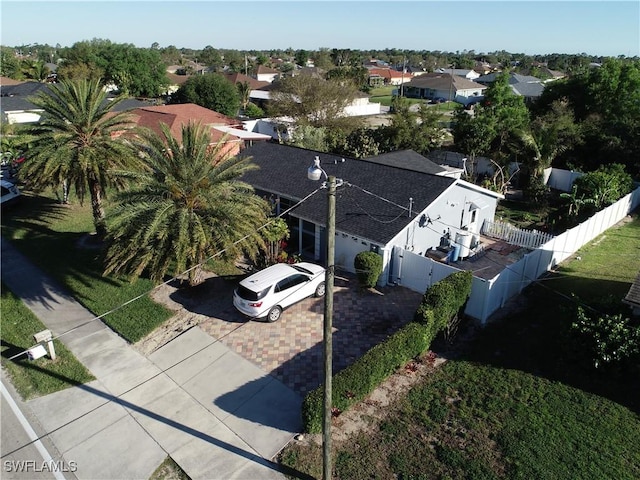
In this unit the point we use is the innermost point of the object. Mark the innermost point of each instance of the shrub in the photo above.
(253, 111)
(355, 382)
(611, 339)
(368, 267)
(443, 300)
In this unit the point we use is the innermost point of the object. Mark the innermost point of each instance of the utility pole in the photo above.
(402, 81)
(328, 321)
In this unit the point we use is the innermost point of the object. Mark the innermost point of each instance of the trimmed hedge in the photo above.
(439, 304)
(368, 267)
(356, 381)
(443, 300)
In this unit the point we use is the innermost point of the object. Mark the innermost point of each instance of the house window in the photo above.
(473, 215)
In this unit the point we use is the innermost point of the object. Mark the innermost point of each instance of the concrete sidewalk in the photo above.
(215, 413)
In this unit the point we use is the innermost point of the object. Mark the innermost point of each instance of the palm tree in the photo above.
(245, 92)
(187, 206)
(74, 144)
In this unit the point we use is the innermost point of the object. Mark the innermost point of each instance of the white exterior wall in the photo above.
(362, 107)
(450, 213)
(22, 117)
(265, 126)
(267, 77)
(560, 179)
(347, 247)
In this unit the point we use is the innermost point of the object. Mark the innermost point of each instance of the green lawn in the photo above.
(48, 233)
(39, 377)
(521, 400)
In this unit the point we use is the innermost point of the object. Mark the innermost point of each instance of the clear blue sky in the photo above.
(594, 27)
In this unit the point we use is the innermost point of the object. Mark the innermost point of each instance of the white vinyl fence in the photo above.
(514, 235)
(418, 273)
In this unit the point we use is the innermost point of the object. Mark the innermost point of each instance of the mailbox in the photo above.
(36, 352)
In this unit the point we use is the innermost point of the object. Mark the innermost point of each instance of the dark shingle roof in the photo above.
(373, 215)
(409, 160)
(17, 97)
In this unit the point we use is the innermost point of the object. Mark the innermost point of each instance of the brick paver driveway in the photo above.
(291, 349)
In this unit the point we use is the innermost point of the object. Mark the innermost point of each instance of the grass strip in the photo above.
(38, 377)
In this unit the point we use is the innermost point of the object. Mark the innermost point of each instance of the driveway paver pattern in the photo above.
(291, 349)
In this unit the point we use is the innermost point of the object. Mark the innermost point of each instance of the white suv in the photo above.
(268, 292)
(10, 193)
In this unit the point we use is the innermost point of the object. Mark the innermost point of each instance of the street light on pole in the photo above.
(315, 173)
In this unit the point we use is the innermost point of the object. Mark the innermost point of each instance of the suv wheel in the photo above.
(274, 314)
(320, 289)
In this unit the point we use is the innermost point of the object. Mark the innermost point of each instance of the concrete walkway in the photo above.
(215, 413)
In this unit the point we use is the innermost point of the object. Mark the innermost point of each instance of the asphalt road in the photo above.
(24, 457)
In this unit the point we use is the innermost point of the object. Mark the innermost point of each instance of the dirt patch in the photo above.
(182, 319)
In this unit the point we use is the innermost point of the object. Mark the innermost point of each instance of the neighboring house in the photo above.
(177, 115)
(360, 106)
(389, 76)
(524, 85)
(16, 106)
(175, 82)
(235, 78)
(375, 63)
(394, 200)
(473, 167)
(444, 86)
(460, 72)
(266, 74)
(633, 297)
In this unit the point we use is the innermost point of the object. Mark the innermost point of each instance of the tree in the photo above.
(361, 143)
(211, 91)
(495, 130)
(253, 111)
(9, 64)
(135, 71)
(359, 76)
(506, 113)
(244, 90)
(211, 57)
(606, 104)
(301, 57)
(186, 207)
(606, 185)
(275, 234)
(74, 142)
(35, 69)
(550, 135)
(322, 59)
(309, 137)
(312, 101)
(419, 131)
